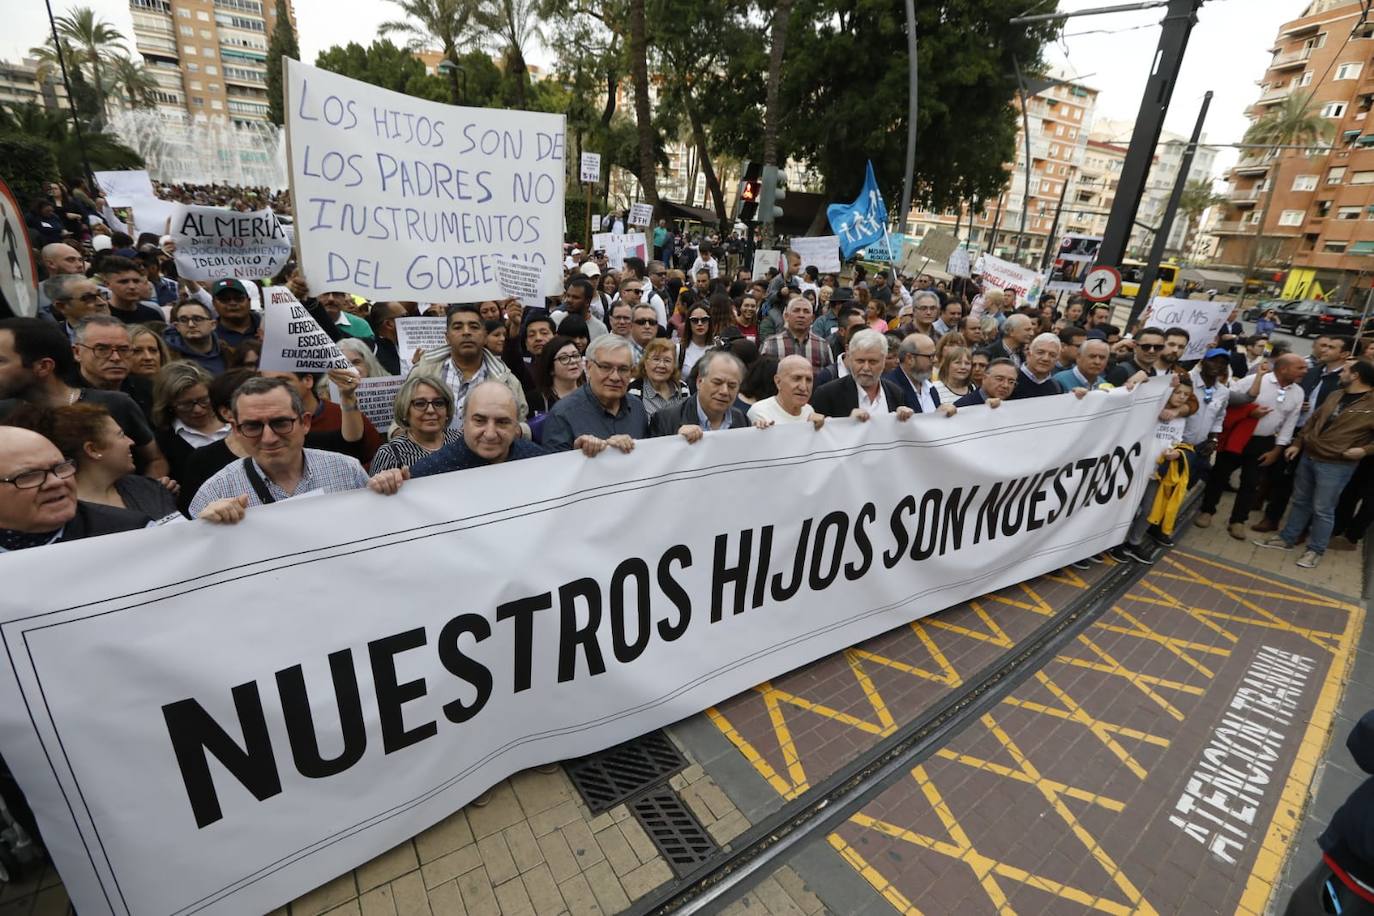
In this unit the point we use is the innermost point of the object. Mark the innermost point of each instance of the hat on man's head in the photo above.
(228, 286)
(590, 269)
(101, 243)
(841, 294)
(1215, 352)
(1096, 334)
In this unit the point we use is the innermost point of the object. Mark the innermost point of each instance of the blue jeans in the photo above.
(1317, 487)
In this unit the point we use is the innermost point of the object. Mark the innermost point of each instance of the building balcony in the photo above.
(1244, 197)
(1274, 96)
(1250, 165)
(1291, 59)
(1233, 227)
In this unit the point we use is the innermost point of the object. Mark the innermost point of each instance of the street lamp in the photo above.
(452, 70)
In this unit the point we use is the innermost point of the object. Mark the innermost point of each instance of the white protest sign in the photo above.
(292, 341)
(216, 242)
(1202, 320)
(1021, 282)
(641, 214)
(133, 188)
(521, 280)
(764, 260)
(274, 730)
(621, 245)
(590, 168)
(958, 265)
(376, 399)
(821, 252)
(404, 199)
(19, 275)
(424, 333)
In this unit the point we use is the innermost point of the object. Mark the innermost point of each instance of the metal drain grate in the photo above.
(673, 828)
(607, 778)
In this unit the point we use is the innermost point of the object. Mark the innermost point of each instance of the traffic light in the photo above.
(771, 194)
(747, 200)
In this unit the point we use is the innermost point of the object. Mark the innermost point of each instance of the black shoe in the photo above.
(1138, 554)
(1160, 538)
(1081, 564)
(1119, 554)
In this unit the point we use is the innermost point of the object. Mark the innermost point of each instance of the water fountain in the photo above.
(203, 150)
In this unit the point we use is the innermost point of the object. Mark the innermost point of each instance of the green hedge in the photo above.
(25, 164)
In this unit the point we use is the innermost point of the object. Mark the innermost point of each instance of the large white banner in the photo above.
(215, 720)
(401, 198)
(1201, 318)
(1020, 282)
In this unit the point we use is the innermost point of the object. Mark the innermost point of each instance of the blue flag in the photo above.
(862, 222)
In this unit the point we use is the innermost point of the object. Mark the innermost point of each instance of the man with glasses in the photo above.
(35, 361)
(192, 336)
(999, 381)
(1278, 399)
(915, 364)
(491, 435)
(622, 323)
(796, 338)
(103, 352)
(643, 328)
(269, 416)
(38, 503)
(925, 313)
(74, 298)
(599, 414)
(1145, 357)
(237, 320)
(657, 275)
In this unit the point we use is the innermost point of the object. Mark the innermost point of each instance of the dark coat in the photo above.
(672, 418)
(840, 398)
(903, 383)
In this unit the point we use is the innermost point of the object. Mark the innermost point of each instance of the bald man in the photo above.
(491, 434)
(1278, 400)
(792, 404)
(59, 260)
(38, 502)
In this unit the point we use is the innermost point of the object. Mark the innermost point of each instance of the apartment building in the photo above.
(1060, 120)
(209, 57)
(1318, 234)
(19, 84)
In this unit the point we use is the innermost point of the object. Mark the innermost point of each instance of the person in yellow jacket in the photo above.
(1154, 520)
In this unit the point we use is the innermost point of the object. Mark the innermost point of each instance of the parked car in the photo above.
(1308, 317)
(1254, 312)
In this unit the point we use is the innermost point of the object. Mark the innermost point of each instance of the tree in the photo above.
(383, 64)
(282, 44)
(87, 42)
(131, 83)
(1196, 198)
(1296, 121)
(514, 24)
(782, 16)
(639, 71)
(54, 130)
(446, 23)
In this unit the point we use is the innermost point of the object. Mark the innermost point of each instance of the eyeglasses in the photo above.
(252, 429)
(926, 355)
(192, 320)
(1150, 347)
(32, 480)
(438, 405)
(699, 320)
(89, 297)
(611, 369)
(645, 322)
(569, 359)
(105, 351)
(192, 404)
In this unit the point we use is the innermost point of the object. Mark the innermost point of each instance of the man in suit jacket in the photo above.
(915, 359)
(712, 408)
(864, 392)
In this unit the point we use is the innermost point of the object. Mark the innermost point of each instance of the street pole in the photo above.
(1173, 41)
(588, 193)
(996, 223)
(910, 114)
(1025, 131)
(1054, 227)
(1161, 239)
(71, 100)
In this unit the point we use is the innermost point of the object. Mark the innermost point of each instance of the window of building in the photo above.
(1291, 218)
(1333, 110)
(214, 87)
(197, 100)
(1305, 79)
(1322, 209)
(184, 13)
(1335, 247)
(1348, 212)
(205, 33)
(1363, 248)
(1348, 71)
(212, 70)
(192, 66)
(1304, 182)
(187, 31)
(216, 104)
(203, 15)
(1362, 178)
(1045, 186)
(188, 49)
(1318, 42)
(195, 84)
(1059, 130)
(1335, 174)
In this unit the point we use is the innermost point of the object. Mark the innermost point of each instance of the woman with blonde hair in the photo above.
(956, 371)
(149, 354)
(362, 358)
(658, 381)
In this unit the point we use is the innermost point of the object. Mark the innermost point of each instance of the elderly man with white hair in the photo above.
(794, 381)
(599, 414)
(1036, 379)
(1017, 331)
(719, 374)
(864, 391)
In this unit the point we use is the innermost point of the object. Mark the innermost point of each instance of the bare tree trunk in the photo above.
(639, 69)
(704, 157)
(781, 15)
(520, 72)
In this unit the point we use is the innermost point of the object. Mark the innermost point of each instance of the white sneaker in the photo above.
(1273, 542)
(1309, 560)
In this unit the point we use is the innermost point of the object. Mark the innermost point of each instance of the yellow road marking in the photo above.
(872, 876)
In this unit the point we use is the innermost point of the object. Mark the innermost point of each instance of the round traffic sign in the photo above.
(1102, 283)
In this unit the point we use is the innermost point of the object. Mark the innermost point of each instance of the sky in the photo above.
(1112, 53)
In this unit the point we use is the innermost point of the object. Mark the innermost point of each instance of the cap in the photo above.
(841, 294)
(590, 269)
(1215, 352)
(1096, 334)
(101, 243)
(222, 286)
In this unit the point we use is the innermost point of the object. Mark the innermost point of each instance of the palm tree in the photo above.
(131, 83)
(514, 24)
(1196, 198)
(55, 129)
(89, 44)
(446, 23)
(1295, 121)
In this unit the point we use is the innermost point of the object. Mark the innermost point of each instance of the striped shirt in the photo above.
(326, 472)
(811, 347)
(401, 451)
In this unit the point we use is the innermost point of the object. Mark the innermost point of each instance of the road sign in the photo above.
(1102, 283)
